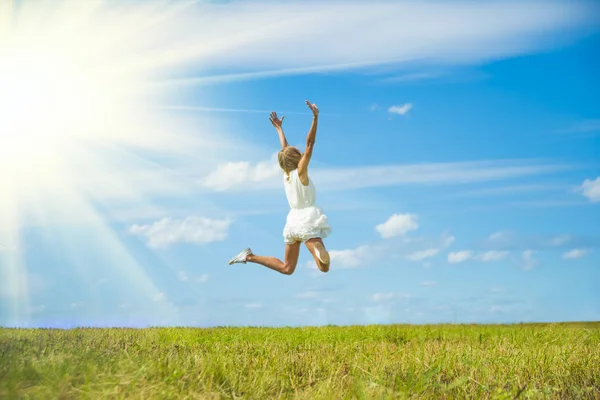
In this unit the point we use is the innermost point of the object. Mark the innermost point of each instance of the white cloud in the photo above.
(428, 283)
(423, 254)
(413, 76)
(492, 255)
(183, 276)
(359, 177)
(382, 296)
(459, 256)
(528, 261)
(238, 37)
(501, 236)
(430, 173)
(353, 258)
(193, 229)
(591, 189)
(232, 174)
(496, 236)
(159, 297)
(253, 305)
(488, 256)
(585, 126)
(374, 107)
(400, 109)
(559, 240)
(306, 295)
(412, 248)
(378, 297)
(448, 240)
(397, 225)
(575, 253)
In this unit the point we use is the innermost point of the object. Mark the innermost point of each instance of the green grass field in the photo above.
(436, 361)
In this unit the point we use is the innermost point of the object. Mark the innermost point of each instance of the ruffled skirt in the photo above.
(305, 223)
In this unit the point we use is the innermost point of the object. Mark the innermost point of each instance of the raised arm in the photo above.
(277, 123)
(310, 143)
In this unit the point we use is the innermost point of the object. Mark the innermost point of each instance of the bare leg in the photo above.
(318, 242)
(287, 267)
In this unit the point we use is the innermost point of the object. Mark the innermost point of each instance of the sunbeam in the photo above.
(79, 135)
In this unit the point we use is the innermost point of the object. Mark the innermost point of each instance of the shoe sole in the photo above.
(232, 261)
(322, 254)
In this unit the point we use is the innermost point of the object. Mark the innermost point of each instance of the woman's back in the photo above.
(299, 195)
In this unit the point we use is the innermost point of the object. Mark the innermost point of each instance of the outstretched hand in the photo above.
(313, 108)
(275, 120)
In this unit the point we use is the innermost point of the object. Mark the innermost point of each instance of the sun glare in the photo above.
(73, 112)
(37, 100)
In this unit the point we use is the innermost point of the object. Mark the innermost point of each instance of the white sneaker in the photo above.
(241, 258)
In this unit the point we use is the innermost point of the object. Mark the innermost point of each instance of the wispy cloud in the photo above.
(428, 283)
(441, 73)
(560, 240)
(492, 255)
(500, 236)
(413, 76)
(232, 174)
(353, 258)
(378, 297)
(459, 256)
(400, 109)
(265, 174)
(574, 254)
(529, 261)
(510, 241)
(589, 127)
(465, 255)
(306, 295)
(422, 254)
(402, 247)
(253, 305)
(591, 189)
(234, 110)
(183, 276)
(167, 231)
(238, 37)
(508, 190)
(382, 296)
(397, 225)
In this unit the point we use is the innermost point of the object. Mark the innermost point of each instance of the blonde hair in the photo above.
(289, 158)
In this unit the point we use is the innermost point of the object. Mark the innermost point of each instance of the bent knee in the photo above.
(288, 269)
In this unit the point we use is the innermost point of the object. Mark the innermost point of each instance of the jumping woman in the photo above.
(306, 222)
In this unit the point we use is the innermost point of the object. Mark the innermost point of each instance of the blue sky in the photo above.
(456, 158)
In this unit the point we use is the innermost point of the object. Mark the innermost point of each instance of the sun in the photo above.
(38, 102)
(84, 138)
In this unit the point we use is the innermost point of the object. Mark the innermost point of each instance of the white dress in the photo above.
(305, 220)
